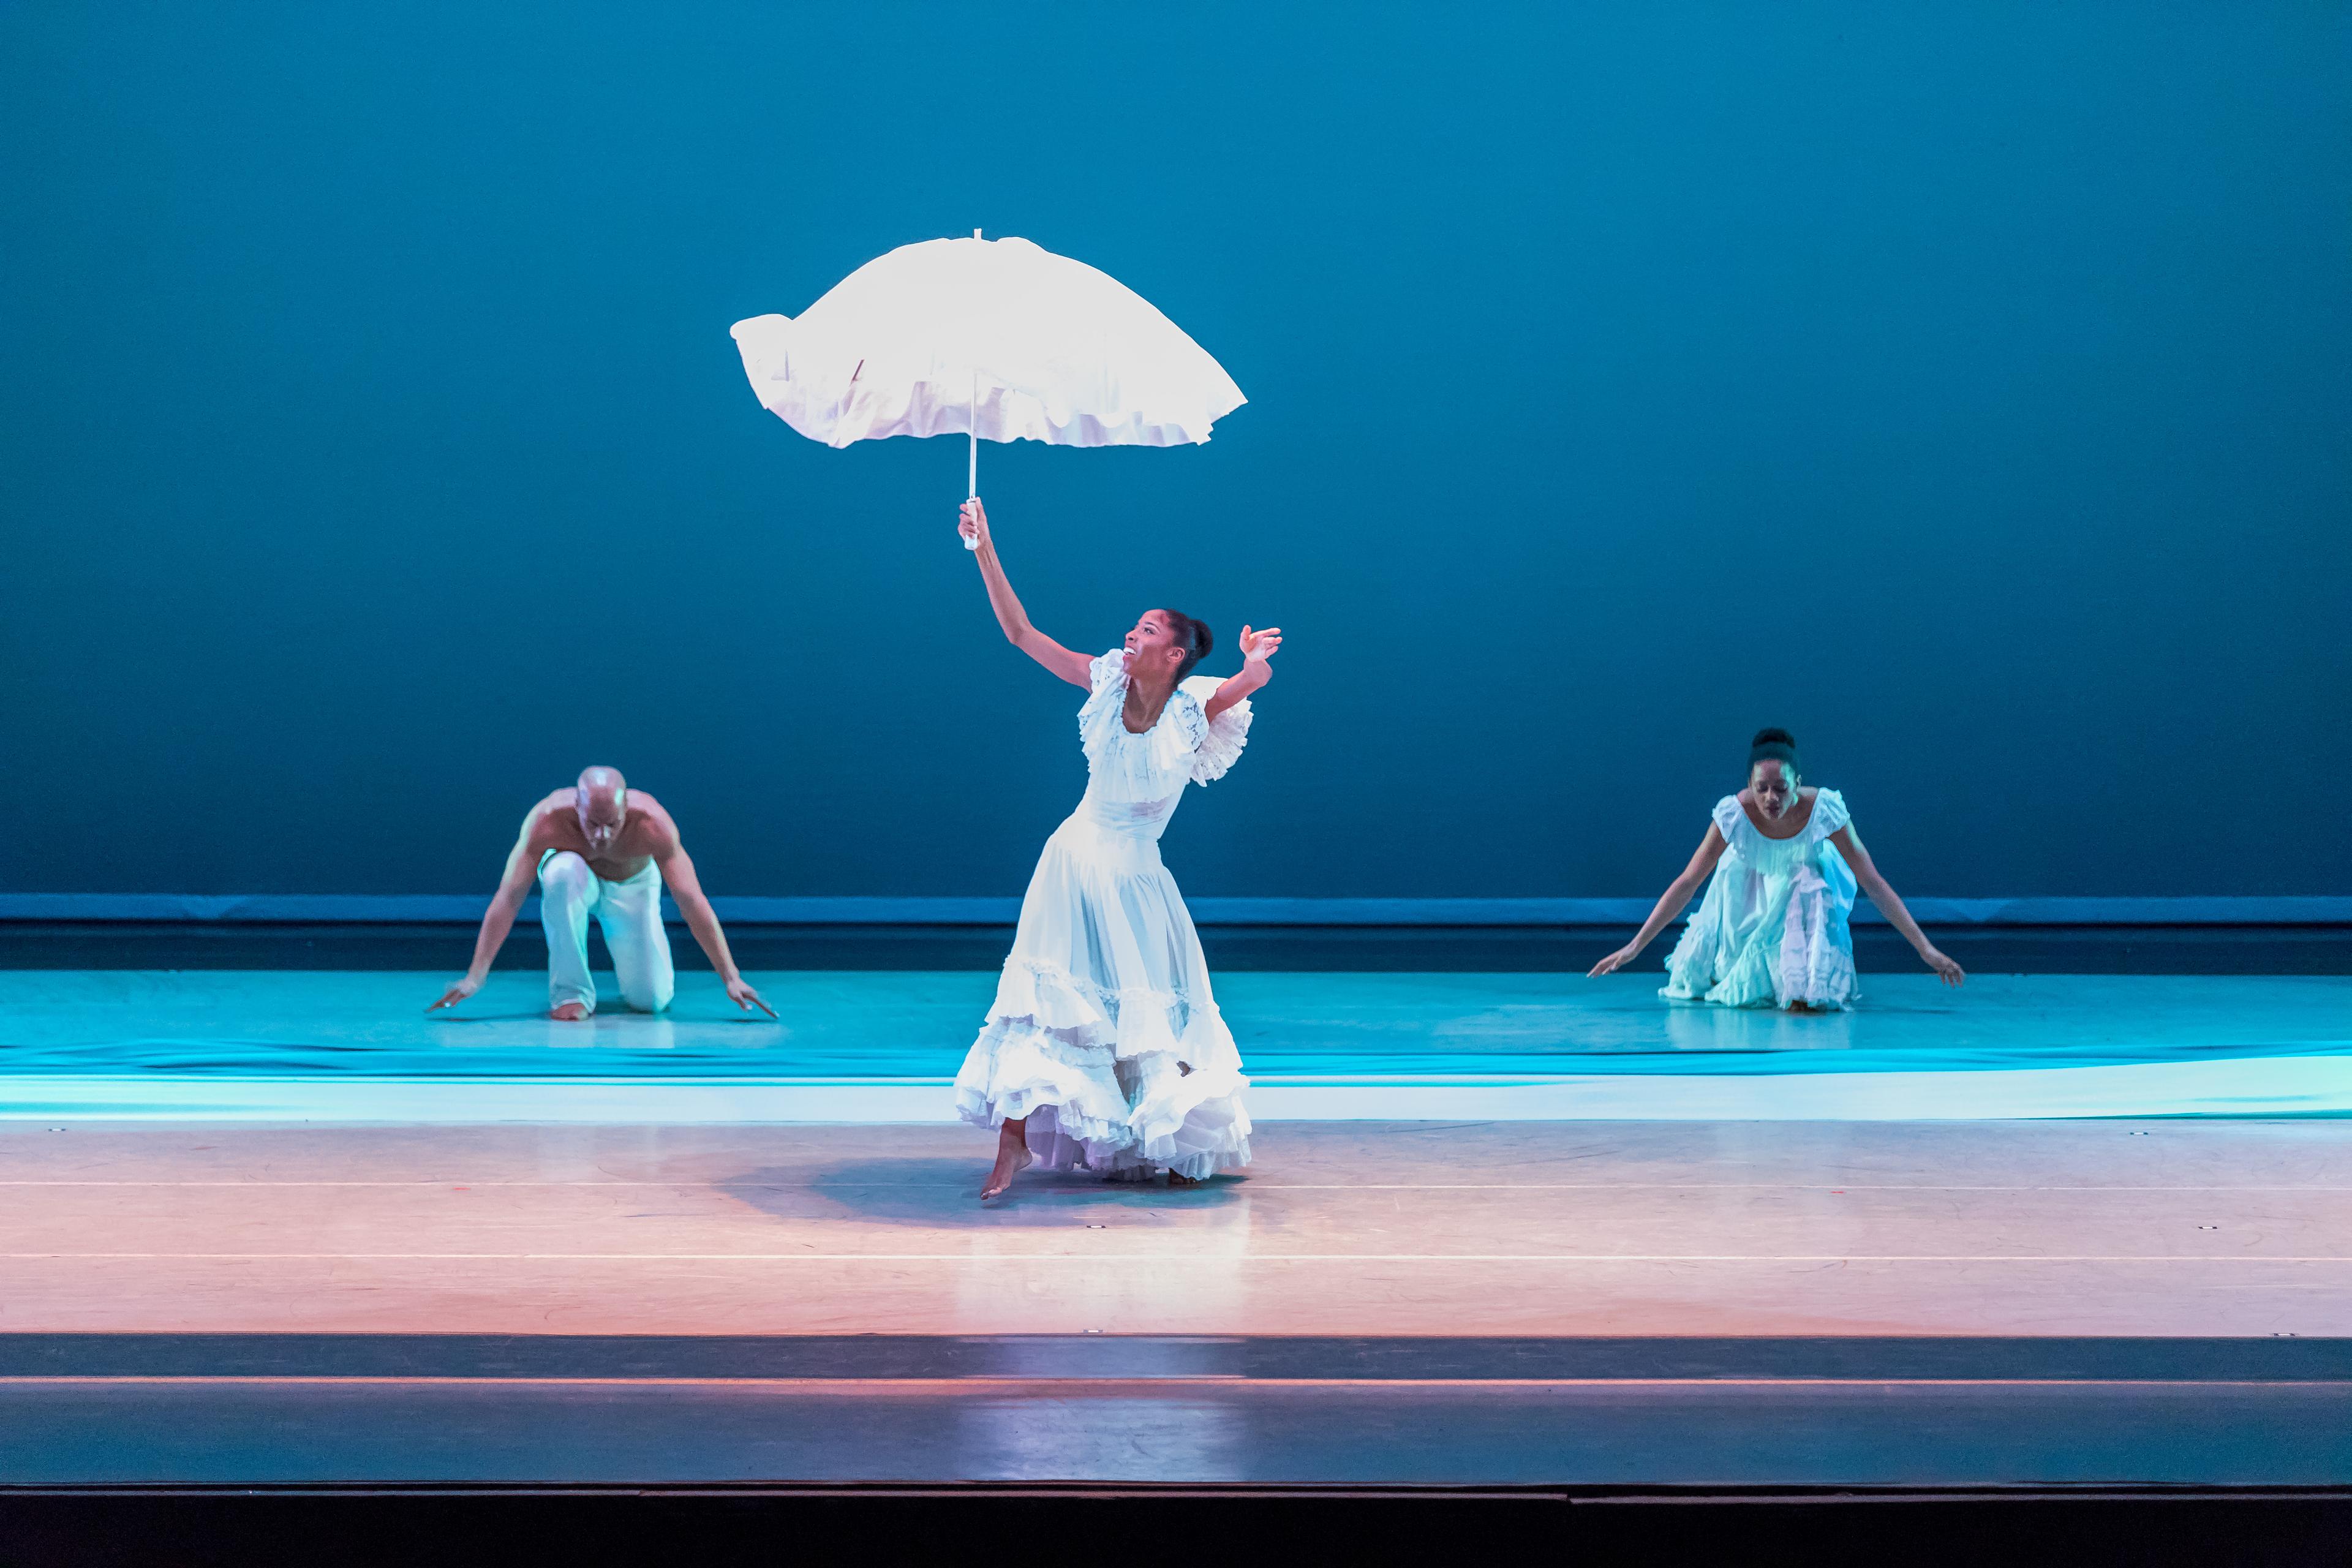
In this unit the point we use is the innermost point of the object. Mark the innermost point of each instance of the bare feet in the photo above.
(569, 1013)
(1012, 1157)
(1176, 1181)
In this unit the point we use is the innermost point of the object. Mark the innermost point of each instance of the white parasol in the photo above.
(1000, 339)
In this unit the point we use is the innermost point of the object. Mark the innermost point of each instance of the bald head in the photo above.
(602, 783)
(602, 799)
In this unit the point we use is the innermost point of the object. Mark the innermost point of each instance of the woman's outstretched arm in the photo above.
(1075, 667)
(1670, 903)
(1849, 844)
(1257, 648)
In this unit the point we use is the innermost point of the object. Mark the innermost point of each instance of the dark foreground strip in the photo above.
(926, 1356)
(195, 1528)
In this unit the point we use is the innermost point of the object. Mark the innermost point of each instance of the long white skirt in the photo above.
(1105, 1036)
(1769, 941)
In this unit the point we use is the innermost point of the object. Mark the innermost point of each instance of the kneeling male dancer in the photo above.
(593, 849)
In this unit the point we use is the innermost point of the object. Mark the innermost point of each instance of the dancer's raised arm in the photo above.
(1866, 874)
(1670, 903)
(1257, 647)
(1073, 667)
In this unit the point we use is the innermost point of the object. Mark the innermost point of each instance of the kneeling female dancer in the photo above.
(1105, 1050)
(1773, 927)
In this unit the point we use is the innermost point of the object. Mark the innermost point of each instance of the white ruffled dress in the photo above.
(1105, 1035)
(1775, 927)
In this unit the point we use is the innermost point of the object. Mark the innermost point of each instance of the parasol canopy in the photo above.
(993, 338)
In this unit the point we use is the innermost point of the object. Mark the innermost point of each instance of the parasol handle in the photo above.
(972, 418)
(972, 423)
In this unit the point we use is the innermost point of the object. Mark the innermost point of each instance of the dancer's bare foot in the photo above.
(1012, 1157)
(1176, 1181)
(569, 1013)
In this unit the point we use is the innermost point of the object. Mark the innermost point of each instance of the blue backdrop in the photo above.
(1966, 386)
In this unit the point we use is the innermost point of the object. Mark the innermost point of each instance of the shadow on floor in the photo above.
(932, 1192)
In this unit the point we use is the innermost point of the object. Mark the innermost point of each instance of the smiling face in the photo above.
(1772, 784)
(1153, 648)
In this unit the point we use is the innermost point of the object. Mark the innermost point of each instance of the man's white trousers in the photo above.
(630, 912)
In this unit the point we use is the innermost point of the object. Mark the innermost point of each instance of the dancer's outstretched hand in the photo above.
(1614, 961)
(1260, 647)
(972, 522)
(740, 992)
(1952, 972)
(456, 993)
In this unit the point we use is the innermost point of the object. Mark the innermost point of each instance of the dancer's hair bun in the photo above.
(1192, 636)
(1773, 736)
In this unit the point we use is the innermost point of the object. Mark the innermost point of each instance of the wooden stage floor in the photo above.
(1719, 1303)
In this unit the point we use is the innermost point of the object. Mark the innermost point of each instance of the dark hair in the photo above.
(1193, 636)
(1771, 744)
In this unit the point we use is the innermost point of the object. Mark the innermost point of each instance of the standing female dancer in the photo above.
(1773, 927)
(1104, 1049)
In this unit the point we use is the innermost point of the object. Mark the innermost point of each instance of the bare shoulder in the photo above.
(660, 828)
(539, 823)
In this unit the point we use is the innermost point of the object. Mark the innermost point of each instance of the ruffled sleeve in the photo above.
(1829, 813)
(1108, 675)
(1221, 738)
(1729, 818)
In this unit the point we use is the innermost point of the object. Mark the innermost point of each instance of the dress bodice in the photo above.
(1134, 782)
(1753, 851)
(1136, 819)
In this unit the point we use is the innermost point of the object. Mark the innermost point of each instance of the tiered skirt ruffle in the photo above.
(1118, 1063)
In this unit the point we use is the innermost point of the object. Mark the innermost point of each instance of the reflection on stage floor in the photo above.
(881, 1047)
